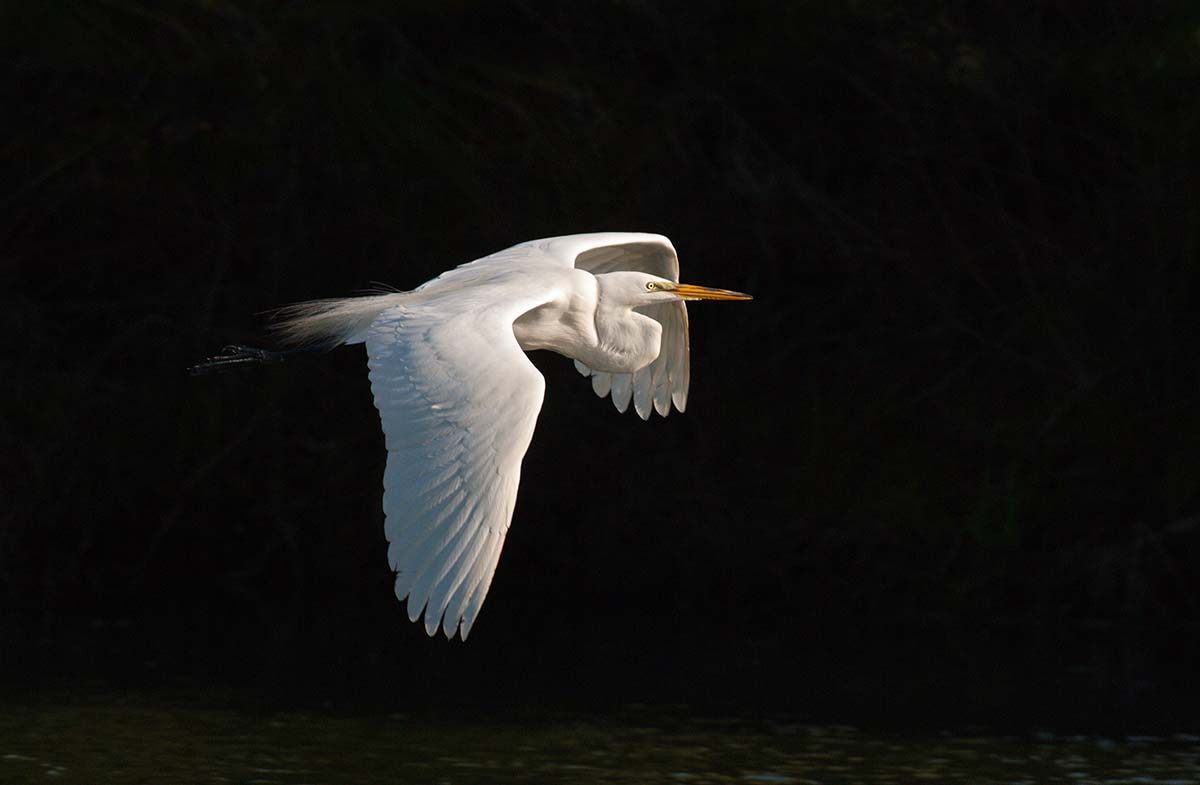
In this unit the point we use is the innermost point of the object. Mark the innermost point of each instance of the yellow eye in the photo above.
(651, 286)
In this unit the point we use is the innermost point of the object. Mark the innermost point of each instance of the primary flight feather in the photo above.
(458, 399)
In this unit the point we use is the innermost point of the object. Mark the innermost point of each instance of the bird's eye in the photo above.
(651, 286)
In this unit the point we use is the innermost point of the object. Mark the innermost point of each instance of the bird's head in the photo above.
(638, 289)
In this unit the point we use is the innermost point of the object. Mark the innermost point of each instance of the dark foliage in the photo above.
(965, 398)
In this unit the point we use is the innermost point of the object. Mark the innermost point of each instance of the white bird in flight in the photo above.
(458, 399)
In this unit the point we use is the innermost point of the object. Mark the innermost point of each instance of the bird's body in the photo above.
(459, 400)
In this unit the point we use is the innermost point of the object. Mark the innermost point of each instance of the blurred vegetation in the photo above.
(966, 393)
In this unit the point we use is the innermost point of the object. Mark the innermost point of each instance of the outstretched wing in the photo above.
(458, 401)
(666, 379)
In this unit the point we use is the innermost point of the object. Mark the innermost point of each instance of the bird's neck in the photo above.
(626, 340)
(613, 340)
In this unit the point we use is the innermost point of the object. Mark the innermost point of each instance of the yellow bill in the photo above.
(692, 292)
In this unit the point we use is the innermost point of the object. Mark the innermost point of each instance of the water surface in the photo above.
(150, 737)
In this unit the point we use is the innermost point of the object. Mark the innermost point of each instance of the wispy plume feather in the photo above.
(331, 321)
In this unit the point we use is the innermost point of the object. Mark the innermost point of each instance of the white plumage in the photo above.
(458, 398)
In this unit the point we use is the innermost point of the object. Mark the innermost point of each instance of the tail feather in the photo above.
(333, 321)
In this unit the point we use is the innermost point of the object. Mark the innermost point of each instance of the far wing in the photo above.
(458, 401)
(666, 379)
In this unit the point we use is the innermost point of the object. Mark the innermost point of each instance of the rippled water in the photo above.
(151, 738)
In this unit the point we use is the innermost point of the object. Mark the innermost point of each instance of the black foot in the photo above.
(232, 357)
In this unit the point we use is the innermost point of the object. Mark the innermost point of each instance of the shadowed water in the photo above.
(118, 737)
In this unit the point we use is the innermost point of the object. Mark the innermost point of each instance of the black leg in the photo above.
(235, 356)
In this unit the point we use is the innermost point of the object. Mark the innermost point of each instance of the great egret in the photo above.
(458, 398)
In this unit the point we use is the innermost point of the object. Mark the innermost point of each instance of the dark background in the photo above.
(947, 459)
